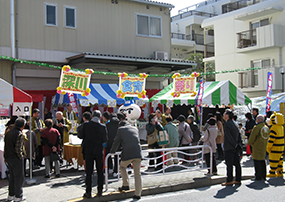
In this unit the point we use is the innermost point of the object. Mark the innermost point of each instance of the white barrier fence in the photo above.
(196, 153)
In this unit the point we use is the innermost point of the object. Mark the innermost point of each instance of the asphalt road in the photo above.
(270, 190)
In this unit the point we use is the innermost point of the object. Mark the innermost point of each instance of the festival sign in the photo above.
(131, 86)
(184, 85)
(74, 81)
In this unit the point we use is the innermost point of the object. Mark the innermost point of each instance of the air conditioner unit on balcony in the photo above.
(161, 55)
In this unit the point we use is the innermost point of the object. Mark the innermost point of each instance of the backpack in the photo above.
(196, 132)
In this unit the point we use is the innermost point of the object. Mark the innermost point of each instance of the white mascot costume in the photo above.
(131, 110)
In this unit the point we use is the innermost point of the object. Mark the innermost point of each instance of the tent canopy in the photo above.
(10, 94)
(218, 92)
(100, 94)
(260, 102)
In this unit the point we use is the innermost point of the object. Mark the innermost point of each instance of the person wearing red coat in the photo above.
(51, 138)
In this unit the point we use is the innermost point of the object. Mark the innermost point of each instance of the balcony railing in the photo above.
(247, 38)
(198, 38)
(190, 13)
(248, 79)
(209, 50)
(226, 8)
(195, 6)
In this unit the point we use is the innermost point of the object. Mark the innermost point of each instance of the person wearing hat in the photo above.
(209, 138)
(185, 135)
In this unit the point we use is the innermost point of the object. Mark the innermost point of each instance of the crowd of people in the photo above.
(221, 132)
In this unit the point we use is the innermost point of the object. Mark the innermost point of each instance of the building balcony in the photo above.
(229, 7)
(197, 38)
(256, 80)
(191, 13)
(260, 38)
(209, 50)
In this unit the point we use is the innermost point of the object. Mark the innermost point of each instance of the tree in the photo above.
(198, 59)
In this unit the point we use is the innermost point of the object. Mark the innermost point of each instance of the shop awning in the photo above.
(100, 94)
(218, 92)
(10, 94)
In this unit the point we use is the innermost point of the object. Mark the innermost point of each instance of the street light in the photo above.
(282, 72)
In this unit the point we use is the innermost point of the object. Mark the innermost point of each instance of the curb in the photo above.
(193, 184)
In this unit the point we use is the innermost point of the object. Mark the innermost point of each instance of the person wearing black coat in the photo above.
(94, 135)
(112, 127)
(231, 140)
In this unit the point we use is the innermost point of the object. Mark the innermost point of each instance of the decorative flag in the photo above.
(73, 102)
(269, 90)
(199, 98)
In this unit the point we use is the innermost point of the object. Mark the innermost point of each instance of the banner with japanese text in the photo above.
(74, 81)
(269, 91)
(73, 102)
(131, 86)
(185, 85)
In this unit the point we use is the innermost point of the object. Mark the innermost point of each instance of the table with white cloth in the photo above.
(3, 167)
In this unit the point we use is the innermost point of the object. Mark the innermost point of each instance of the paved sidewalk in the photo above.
(70, 186)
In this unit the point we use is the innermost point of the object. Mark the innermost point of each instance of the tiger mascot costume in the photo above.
(275, 146)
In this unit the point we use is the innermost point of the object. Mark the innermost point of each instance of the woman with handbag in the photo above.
(185, 135)
(51, 148)
(153, 127)
(209, 138)
(220, 136)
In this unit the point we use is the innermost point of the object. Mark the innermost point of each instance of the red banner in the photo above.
(73, 102)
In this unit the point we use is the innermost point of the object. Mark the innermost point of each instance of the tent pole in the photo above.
(31, 180)
(201, 118)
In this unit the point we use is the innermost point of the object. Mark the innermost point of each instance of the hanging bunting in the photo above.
(131, 86)
(74, 82)
(116, 74)
(184, 85)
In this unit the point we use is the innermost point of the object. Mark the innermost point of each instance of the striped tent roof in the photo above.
(218, 92)
(100, 94)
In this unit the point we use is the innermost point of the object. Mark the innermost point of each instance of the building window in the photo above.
(148, 26)
(70, 17)
(51, 14)
(259, 23)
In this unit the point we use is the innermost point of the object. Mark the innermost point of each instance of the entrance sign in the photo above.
(21, 109)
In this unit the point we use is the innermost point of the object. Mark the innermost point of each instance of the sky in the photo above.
(180, 4)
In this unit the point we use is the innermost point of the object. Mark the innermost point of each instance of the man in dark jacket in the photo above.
(128, 137)
(13, 154)
(112, 127)
(86, 117)
(94, 134)
(231, 141)
(196, 133)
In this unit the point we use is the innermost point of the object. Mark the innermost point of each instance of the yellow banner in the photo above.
(132, 86)
(185, 85)
(74, 82)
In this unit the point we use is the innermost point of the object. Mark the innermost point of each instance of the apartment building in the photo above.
(105, 35)
(252, 35)
(235, 35)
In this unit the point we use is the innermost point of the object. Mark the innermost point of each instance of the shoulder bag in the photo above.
(152, 138)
